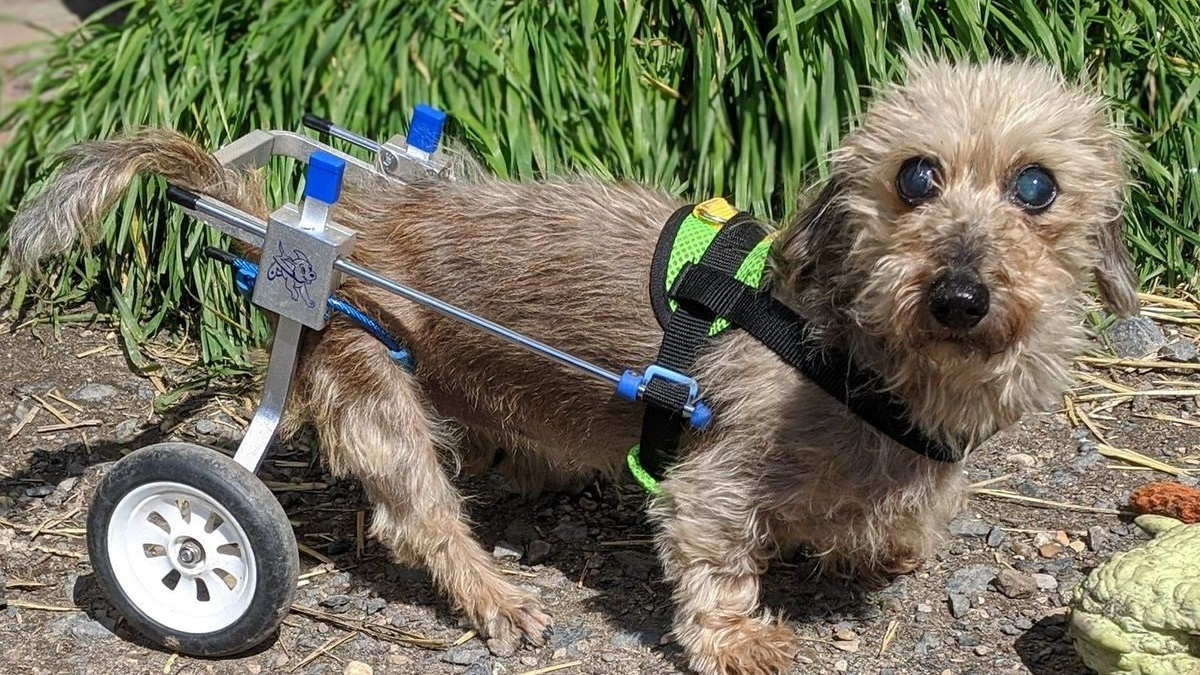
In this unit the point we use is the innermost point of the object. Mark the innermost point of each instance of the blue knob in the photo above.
(425, 130)
(701, 416)
(627, 388)
(323, 179)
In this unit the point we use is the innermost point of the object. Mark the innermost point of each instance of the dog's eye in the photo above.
(917, 181)
(1033, 189)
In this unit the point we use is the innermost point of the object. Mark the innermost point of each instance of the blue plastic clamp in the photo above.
(631, 386)
(323, 179)
(425, 129)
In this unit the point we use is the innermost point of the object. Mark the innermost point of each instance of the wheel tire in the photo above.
(159, 501)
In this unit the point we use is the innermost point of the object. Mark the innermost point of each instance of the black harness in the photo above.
(707, 290)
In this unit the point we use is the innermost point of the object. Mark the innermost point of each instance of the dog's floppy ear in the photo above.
(1115, 276)
(812, 236)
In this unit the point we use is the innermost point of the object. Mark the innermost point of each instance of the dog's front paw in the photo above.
(520, 615)
(741, 646)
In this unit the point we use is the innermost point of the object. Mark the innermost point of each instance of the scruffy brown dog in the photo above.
(949, 252)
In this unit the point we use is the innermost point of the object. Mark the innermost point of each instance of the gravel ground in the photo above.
(991, 601)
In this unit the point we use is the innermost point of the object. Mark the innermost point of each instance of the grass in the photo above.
(701, 97)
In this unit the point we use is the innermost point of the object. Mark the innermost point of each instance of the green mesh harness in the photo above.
(706, 277)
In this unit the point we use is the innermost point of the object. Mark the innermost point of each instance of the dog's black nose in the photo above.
(959, 300)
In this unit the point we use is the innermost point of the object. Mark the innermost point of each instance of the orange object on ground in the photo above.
(1168, 499)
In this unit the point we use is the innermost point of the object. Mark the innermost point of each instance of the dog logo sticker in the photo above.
(296, 271)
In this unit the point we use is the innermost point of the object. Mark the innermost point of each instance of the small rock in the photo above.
(850, 646)
(995, 536)
(1135, 337)
(94, 393)
(983, 650)
(127, 430)
(39, 491)
(336, 604)
(208, 428)
(1181, 351)
(959, 605)
(1022, 623)
(841, 665)
(6, 504)
(528, 661)
(1049, 550)
(1095, 537)
(83, 628)
(478, 669)
(1045, 582)
(506, 551)
(374, 605)
(464, 656)
(62, 491)
(965, 526)
(635, 639)
(926, 643)
(971, 580)
(280, 661)
(3, 602)
(571, 533)
(1022, 459)
(968, 640)
(358, 668)
(1013, 584)
(501, 648)
(1077, 546)
(924, 607)
(537, 552)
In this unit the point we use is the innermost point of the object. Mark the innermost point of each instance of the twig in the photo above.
(1135, 363)
(51, 409)
(360, 540)
(315, 554)
(464, 638)
(21, 425)
(1044, 503)
(330, 644)
(53, 393)
(1154, 393)
(1139, 459)
(92, 352)
(50, 428)
(383, 632)
(888, 636)
(170, 663)
(1167, 418)
(553, 668)
(40, 607)
(628, 542)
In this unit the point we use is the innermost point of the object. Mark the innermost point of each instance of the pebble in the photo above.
(83, 628)
(62, 491)
(1045, 582)
(374, 605)
(1135, 337)
(571, 533)
(959, 606)
(464, 656)
(39, 491)
(1022, 459)
(478, 669)
(1013, 584)
(208, 428)
(358, 668)
(968, 640)
(969, 527)
(1050, 550)
(970, 580)
(528, 661)
(537, 552)
(841, 665)
(6, 504)
(3, 602)
(996, 536)
(127, 430)
(1181, 351)
(94, 393)
(926, 643)
(336, 604)
(506, 551)
(983, 650)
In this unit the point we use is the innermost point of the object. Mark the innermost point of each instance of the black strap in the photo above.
(787, 334)
(685, 333)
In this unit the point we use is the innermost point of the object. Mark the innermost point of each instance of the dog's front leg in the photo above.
(374, 425)
(714, 544)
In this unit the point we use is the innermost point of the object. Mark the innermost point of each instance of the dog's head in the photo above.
(965, 216)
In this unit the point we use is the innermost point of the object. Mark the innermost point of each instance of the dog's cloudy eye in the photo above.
(917, 180)
(1034, 189)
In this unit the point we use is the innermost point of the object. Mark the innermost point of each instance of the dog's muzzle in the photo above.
(958, 299)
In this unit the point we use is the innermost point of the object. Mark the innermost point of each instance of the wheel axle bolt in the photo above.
(190, 554)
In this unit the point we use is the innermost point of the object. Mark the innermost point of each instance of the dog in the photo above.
(950, 252)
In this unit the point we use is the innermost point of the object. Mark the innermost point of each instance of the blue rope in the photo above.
(245, 274)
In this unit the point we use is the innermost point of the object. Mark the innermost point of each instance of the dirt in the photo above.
(598, 577)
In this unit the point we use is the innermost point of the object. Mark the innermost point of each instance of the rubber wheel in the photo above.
(192, 549)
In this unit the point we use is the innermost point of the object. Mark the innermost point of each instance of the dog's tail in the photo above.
(95, 174)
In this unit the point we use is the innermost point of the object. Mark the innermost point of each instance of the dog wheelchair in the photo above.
(189, 546)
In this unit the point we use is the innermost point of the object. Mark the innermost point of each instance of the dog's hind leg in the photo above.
(373, 424)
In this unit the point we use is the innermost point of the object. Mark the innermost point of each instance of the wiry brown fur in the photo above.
(784, 466)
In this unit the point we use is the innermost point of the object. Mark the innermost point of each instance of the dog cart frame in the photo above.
(187, 543)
